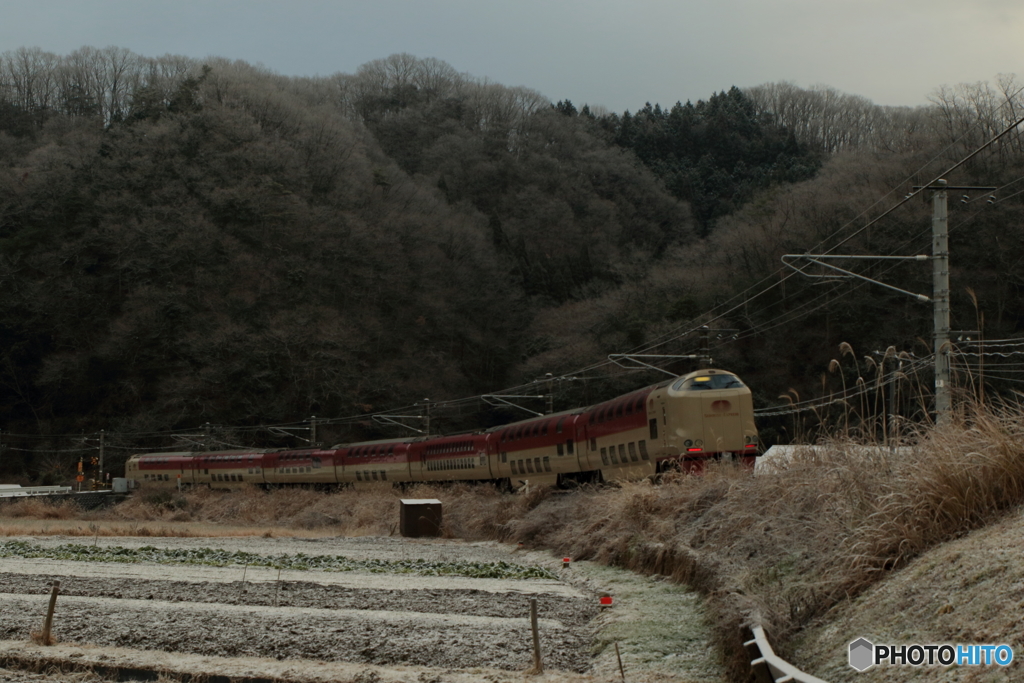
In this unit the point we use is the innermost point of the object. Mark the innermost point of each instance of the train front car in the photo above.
(705, 415)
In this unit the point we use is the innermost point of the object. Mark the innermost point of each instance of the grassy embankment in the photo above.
(790, 545)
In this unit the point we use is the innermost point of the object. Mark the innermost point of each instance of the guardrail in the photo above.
(767, 666)
(15, 491)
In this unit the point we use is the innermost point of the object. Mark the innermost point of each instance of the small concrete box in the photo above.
(420, 517)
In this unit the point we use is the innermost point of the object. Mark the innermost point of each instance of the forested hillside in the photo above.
(185, 242)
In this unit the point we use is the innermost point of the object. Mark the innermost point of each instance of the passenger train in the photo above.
(677, 425)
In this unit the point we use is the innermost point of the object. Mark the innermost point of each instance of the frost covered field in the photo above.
(360, 609)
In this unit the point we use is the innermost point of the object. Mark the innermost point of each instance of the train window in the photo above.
(568, 446)
(628, 410)
(704, 382)
(611, 454)
(515, 467)
(639, 403)
(545, 430)
(558, 427)
(643, 449)
(618, 410)
(654, 428)
(374, 473)
(529, 465)
(547, 464)
(622, 454)
(559, 449)
(383, 475)
(504, 456)
(604, 456)
(359, 476)
(593, 444)
(391, 450)
(632, 451)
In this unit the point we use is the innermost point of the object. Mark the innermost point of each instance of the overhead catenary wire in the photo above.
(863, 389)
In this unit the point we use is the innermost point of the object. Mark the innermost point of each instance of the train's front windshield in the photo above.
(700, 382)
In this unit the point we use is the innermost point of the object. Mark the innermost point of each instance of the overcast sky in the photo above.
(615, 53)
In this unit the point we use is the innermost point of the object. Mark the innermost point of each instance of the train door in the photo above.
(487, 452)
(657, 421)
(585, 455)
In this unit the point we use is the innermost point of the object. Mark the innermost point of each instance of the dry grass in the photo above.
(790, 545)
(40, 508)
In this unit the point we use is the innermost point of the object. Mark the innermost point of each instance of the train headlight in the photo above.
(688, 443)
(698, 442)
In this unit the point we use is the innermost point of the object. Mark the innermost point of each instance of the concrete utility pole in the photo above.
(102, 444)
(705, 347)
(940, 291)
(940, 298)
(550, 396)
